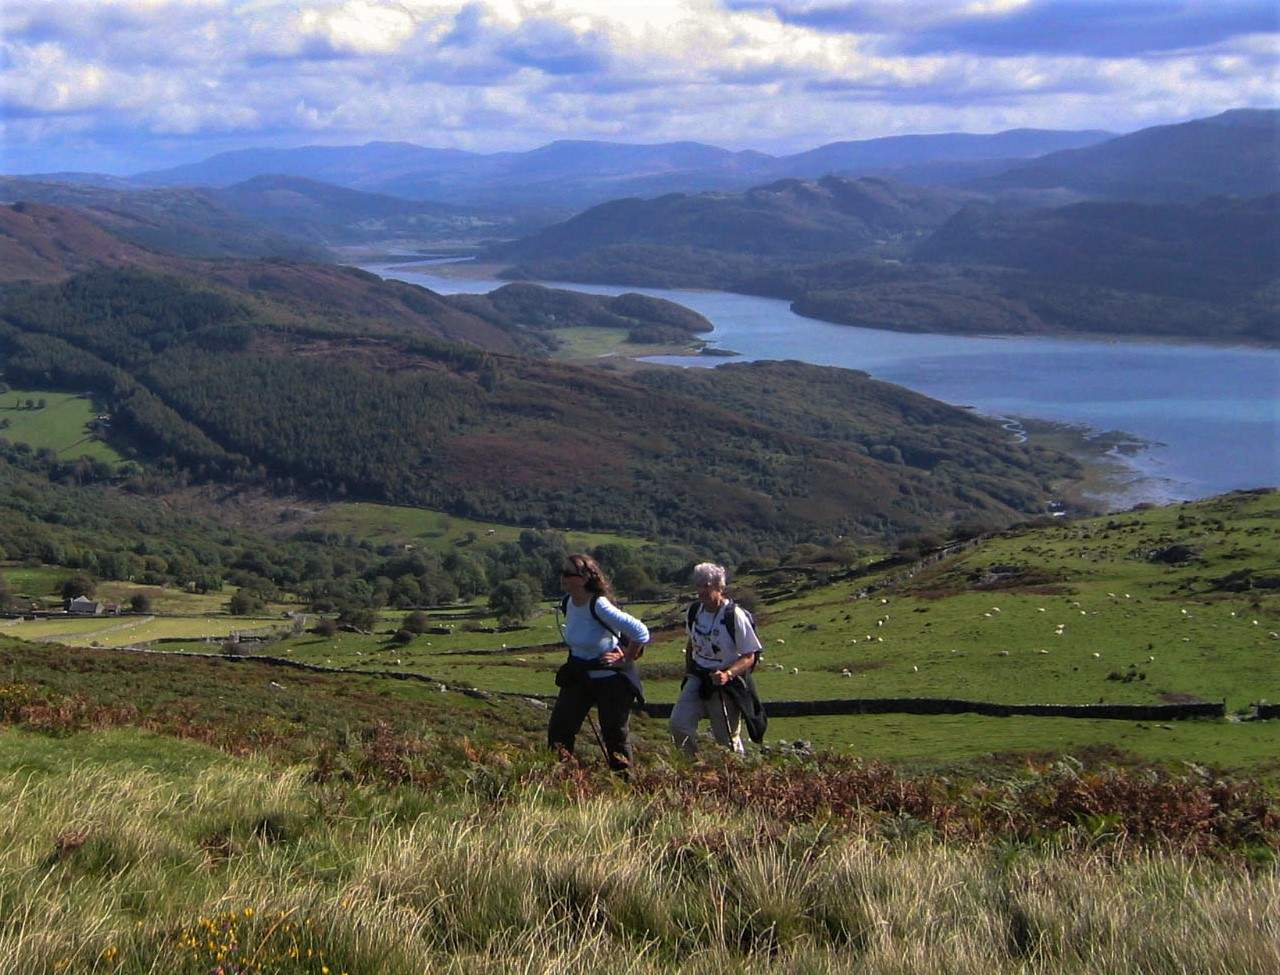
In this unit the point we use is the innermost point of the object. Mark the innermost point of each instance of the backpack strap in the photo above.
(564, 611)
(609, 629)
(728, 619)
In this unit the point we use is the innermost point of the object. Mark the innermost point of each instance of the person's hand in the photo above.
(721, 677)
(615, 656)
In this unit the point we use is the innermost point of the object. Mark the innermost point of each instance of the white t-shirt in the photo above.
(713, 648)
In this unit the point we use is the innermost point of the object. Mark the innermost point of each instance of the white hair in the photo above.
(710, 574)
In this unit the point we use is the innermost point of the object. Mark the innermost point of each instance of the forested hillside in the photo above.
(1204, 270)
(198, 381)
(788, 222)
(270, 216)
(1236, 153)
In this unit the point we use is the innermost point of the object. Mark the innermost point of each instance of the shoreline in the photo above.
(1111, 480)
(1122, 468)
(465, 268)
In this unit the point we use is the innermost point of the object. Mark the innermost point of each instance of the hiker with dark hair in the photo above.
(720, 654)
(604, 644)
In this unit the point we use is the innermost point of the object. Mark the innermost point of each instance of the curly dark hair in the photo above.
(587, 567)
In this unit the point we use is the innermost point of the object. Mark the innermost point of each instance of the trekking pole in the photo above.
(599, 738)
(724, 710)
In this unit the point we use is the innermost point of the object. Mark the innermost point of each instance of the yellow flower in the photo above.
(248, 912)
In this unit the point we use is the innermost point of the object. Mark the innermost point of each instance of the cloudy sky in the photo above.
(122, 85)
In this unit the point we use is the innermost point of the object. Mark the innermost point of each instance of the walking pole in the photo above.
(724, 709)
(599, 738)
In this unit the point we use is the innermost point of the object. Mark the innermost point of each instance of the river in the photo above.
(1210, 415)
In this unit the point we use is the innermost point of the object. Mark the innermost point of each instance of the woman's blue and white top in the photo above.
(588, 640)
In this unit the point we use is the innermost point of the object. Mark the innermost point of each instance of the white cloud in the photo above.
(511, 73)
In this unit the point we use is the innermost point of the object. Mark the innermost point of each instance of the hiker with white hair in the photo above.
(720, 653)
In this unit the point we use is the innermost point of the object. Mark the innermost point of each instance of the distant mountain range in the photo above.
(267, 216)
(570, 175)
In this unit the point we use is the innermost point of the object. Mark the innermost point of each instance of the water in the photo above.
(1210, 414)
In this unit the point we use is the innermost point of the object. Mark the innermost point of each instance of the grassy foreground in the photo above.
(128, 852)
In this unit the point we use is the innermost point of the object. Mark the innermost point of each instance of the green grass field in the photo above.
(434, 530)
(123, 631)
(35, 581)
(1081, 616)
(62, 426)
(1073, 613)
(593, 343)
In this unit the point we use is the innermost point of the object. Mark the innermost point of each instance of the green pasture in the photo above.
(164, 600)
(434, 530)
(1092, 620)
(940, 741)
(1066, 613)
(42, 581)
(121, 631)
(61, 426)
(34, 580)
(595, 343)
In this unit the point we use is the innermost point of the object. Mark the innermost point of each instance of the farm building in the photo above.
(84, 606)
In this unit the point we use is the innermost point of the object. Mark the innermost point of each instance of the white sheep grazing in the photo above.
(1039, 609)
(1003, 653)
(1097, 656)
(1042, 651)
(795, 670)
(915, 670)
(995, 609)
(845, 673)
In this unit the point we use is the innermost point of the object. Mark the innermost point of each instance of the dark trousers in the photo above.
(611, 697)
